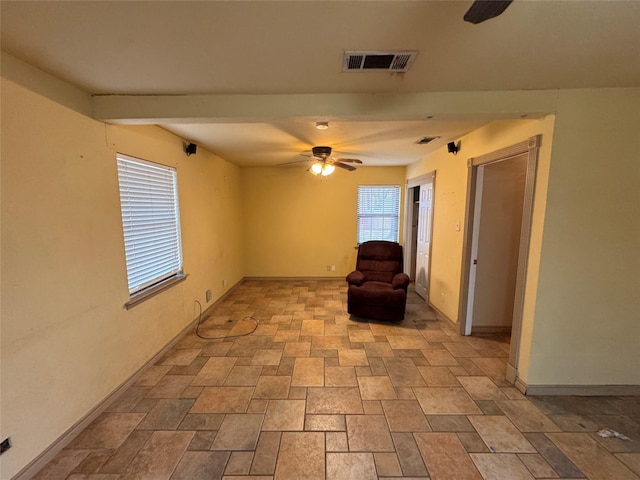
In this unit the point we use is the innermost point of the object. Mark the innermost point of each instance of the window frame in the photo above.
(148, 193)
(385, 214)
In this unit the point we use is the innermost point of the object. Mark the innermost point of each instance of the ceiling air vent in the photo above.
(378, 61)
(425, 140)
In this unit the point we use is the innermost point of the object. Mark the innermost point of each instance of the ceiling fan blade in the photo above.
(292, 164)
(313, 157)
(351, 168)
(482, 10)
(350, 160)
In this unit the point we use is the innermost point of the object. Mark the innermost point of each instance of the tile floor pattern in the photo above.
(315, 394)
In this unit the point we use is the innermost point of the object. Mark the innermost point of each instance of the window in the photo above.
(151, 222)
(378, 212)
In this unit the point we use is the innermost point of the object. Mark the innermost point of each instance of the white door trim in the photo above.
(475, 233)
(530, 147)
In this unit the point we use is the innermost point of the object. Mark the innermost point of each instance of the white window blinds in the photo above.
(151, 221)
(378, 212)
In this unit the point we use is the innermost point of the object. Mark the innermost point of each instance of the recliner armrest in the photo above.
(355, 278)
(401, 280)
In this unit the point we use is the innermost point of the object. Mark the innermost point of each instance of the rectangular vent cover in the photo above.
(378, 61)
(425, 140)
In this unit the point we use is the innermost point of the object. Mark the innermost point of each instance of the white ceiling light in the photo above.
(316, 168)
(322, 125)
(320, 168)
(327, 169)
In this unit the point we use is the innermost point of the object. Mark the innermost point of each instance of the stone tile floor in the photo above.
(314, 394)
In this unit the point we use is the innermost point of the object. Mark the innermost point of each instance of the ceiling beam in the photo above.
(234, 108)
(237, 108)
(45, 84)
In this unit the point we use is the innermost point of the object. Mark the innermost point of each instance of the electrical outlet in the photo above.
(328, 268)
(208, 295)
(5, 445)
(333, 268)
(442, 296)
(224, 283)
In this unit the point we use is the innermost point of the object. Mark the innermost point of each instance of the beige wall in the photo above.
(296, 223)
(581, 306)
(67, 342)
(210, 209)
(450, 201)
(449, 207)
(587, 310)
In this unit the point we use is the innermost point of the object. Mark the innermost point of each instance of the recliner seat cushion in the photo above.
(377, 293)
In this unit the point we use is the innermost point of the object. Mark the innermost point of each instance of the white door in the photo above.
(425, 209)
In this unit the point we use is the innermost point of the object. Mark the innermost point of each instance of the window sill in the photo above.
(146, 294)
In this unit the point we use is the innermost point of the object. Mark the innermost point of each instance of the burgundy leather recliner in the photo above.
(377, 287)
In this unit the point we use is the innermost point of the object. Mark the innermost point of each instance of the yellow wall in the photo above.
(67, 342)
(63, 268)
(587, 310)
(581, 306)
(296, 223)
(450, 204)
(450, 200)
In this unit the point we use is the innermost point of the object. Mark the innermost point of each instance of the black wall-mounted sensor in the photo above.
(190, 149)
(5, 445)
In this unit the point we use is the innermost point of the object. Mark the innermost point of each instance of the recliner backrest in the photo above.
(379, 260)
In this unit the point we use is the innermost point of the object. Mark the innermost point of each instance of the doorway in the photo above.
(500, 189)
(418, 231)
(495, 242)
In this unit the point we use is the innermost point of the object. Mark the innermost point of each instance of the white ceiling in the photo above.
(264, 47)
(375, 143)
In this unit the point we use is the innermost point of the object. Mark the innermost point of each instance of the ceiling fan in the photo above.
(482, 10)
(324, 164)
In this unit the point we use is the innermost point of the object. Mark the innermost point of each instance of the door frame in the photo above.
(474, 226)
(529, 147)
(409, 247)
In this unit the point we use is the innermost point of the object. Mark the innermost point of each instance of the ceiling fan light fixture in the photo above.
(322, 125)
(316, 168)
(327, 169)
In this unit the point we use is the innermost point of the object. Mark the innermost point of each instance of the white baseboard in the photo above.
(578, 390)
(520, 385)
